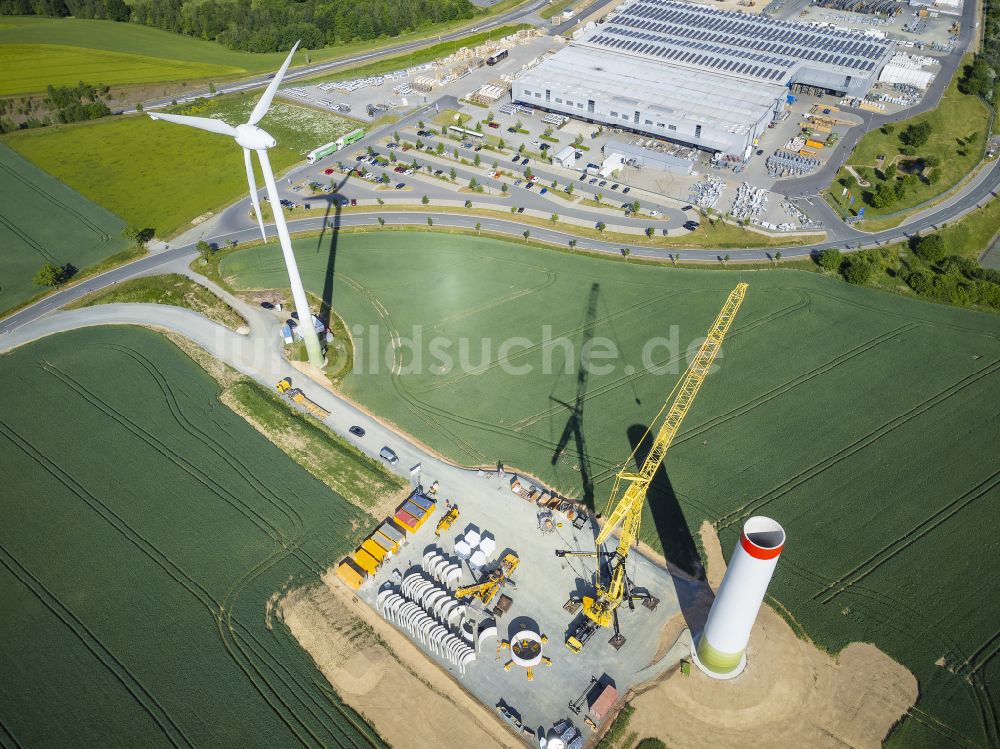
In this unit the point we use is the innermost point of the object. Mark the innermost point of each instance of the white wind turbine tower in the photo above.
(252, 138)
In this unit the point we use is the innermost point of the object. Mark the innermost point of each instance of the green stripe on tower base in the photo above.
(716, 660)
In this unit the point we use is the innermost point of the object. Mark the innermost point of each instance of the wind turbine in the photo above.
(252, 138)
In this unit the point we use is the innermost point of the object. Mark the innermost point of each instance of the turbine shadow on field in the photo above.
(334, 200)
(668, 517)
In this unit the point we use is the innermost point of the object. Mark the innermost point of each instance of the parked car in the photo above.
(494, 125)
(400, 185)
(328, 171)
(354, 201)
(760, 151)
(524, 161)
(534, 178)
(654, 213)
(602, 183)
(529, 185)
(517, 182)
(544, 147)
(627, 189)
(388, 455)
(516, 158)
(687, 208)
(543, 191)
(357, 431)
(478, 148)
(521, 209)
(614, 186)
(593, 181)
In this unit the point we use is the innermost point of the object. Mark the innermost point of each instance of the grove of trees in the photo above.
(261, 25)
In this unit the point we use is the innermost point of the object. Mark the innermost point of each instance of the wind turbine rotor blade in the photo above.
(265, 100)
(202, 123)
(253, 192)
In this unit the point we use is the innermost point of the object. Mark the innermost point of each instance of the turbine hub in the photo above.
(252, 137)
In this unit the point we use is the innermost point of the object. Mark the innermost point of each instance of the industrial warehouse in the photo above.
(696, 75)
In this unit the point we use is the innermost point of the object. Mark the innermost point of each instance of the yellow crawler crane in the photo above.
(600, 610)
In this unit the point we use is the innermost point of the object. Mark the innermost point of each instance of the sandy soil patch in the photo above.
(376, 670)
(791, 694)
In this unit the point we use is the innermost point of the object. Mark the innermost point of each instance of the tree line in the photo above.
(261, 25)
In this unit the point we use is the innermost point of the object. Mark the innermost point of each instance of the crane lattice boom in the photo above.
(627, 511)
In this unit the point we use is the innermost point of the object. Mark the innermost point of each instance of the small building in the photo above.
(656, 157)
(604, 703)
(566, 157)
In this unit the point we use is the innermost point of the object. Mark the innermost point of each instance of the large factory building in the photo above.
(695, 75)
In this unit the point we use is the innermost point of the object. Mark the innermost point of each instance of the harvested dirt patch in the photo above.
(379, 672)
(791, 694)
(714, 559)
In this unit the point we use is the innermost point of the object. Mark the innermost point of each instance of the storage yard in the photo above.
(415, 580)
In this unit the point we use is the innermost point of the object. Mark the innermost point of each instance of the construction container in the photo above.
(406, 520)
(350, 573)
(423, 502)
(806, 152)
(375, 550)
(393, 532)
(415, 510)
(386, 543)
(815, 144)
(366, 562)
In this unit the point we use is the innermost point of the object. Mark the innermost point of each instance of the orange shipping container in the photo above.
(374, 549)
(350, 573)
(366, 561)
(814, 144)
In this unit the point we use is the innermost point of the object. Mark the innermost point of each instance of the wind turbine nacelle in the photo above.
(252, 137)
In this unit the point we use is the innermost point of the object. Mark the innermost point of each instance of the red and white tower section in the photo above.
(721, 650)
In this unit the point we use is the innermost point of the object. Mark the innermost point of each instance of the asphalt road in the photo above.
(306, 71)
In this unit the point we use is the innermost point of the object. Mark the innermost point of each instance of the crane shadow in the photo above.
(574, 429)
(664, 507)
(693, 594)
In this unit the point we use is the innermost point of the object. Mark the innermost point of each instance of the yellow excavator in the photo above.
(629, 493)
(486, 589)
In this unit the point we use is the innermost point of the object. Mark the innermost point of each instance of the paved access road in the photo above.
(516, 15)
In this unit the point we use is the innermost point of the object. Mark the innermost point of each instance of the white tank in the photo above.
(721, 648)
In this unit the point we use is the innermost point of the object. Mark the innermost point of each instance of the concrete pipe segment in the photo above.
(721, 648)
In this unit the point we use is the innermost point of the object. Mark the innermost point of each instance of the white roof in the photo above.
(679, 93)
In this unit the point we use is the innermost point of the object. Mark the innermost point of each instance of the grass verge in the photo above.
(171, 288)
(420, 56)
(324, 454)
(958, 128)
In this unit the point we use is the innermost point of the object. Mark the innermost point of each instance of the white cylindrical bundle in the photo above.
(721, 649)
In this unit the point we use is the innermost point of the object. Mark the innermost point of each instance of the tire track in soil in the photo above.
(887, 427)
(413, 406)
(7, 738)
(570, 333)
(244, 660)
(788, 385)
(304, 692)
(144, 435)
(669, 362)
(218, 610)
(921, 529)
(427, 412)
(240, 466)
(945, 644)
(146, 700)
(50, 199)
